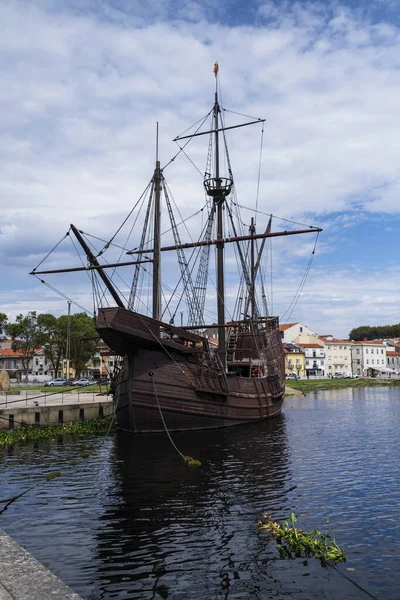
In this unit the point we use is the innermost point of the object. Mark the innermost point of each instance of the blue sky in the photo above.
(84, 81)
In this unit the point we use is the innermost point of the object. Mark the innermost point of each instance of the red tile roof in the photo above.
(334, 340)
(286, 326)
(367, 342)
(392, 353)
(5, 352)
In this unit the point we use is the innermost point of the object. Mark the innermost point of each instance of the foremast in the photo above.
(157, 178)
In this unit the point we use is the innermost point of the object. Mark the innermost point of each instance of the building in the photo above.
(368, 357)
(294, 360)
(291, 331)
(314, 358)
(337, 356)
(393, 360)
(13, 363)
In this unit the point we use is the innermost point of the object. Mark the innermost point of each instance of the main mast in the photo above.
(218, 188)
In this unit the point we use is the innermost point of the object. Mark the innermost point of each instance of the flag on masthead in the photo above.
(216, 68)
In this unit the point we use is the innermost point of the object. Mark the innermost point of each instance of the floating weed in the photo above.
(85, 454)
(53, 475)
(191, 462)
(31, 433)
(293, 542)
(73, 462)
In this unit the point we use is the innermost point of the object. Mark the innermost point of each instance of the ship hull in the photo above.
(159, 388)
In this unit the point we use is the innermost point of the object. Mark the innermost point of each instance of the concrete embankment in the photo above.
(52, 408)
(22, 577)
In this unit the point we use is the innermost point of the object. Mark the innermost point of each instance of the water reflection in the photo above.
(179, 524)
(133, 521)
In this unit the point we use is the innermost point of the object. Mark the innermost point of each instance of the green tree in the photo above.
(55, 335)
(376, 332)
(27, 338)
(3, 325)
(83, 340)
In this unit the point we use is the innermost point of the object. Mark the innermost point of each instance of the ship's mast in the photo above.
(219, 201)
(157, 238)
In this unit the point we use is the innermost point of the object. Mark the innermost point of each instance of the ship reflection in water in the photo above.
(190, 530)
(191, 533)
(134, 521)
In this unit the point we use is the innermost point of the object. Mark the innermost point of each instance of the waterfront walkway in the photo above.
(32, 407)
(32, 398)
(22, 577)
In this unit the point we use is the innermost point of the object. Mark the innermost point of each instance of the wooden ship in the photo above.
(174, 377)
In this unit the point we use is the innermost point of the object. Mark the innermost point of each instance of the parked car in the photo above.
(82, 381)
(292, 376)
(56, 382)
(339, 376)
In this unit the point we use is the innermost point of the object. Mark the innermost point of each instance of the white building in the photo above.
(290, 332)
(368, 355)
(315, 358)
(338, 356)
(393, 359)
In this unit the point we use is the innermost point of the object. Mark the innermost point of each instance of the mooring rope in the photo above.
(191, 462)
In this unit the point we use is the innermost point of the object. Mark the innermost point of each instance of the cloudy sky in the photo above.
(85, 81)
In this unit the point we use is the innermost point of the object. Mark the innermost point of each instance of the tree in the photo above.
(55, 335)
(27, 338)
(3, 324)
(83, 340)
(377, 332)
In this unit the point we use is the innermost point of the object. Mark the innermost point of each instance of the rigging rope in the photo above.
(293, 303)
(51, 251)
(259, 169)
(68, 298)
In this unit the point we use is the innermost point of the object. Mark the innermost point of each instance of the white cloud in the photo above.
(83, 87)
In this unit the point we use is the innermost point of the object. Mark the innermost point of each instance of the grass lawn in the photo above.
(309, 385)
(60, 388)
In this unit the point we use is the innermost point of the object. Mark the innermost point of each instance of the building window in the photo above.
(372, 361)
(301, 330)
(372, 350)
(367, 361)
(366, 350)
(358, 351)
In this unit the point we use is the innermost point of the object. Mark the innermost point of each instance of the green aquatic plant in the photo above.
(53, 475)
(191, 462)
(85, 454)
(293, 542)
(32, 433)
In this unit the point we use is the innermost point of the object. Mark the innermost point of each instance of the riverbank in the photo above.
(303, 386)
(22, 577)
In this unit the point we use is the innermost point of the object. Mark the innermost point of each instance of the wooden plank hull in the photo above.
(163, 387)
(152, 394)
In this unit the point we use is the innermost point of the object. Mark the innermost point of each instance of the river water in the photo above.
(133, 521)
